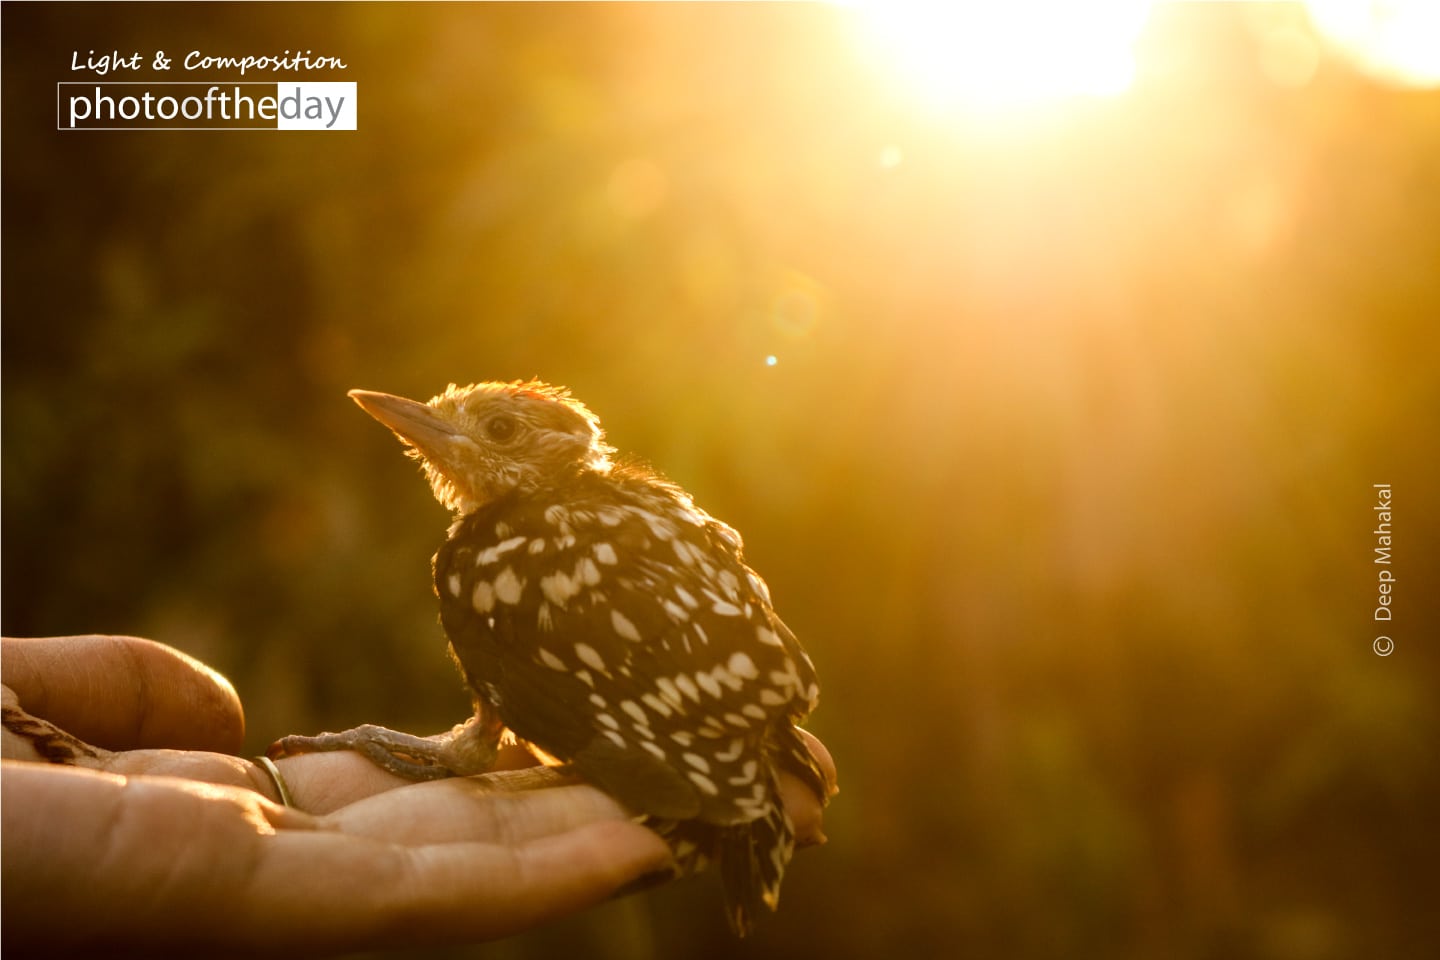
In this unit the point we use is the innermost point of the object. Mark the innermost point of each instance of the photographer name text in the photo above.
(1385, 579)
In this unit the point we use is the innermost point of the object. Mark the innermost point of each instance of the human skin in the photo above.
(156, 836)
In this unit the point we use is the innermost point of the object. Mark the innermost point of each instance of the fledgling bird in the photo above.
(609, 624)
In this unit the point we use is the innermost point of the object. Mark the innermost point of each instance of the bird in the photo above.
(603, 620)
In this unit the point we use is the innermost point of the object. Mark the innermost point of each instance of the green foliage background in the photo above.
(1062, 471)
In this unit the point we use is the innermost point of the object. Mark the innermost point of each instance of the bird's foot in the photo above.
(466, 749)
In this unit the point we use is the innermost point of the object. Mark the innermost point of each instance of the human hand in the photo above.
(159, 847)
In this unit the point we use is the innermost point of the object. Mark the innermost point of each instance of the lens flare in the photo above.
(1395, 40)
(993, 55)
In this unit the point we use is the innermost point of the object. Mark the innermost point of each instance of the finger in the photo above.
(479, 809)
(822, 756)
(806, 810)
(324, 782)
(502, 807)
(123, 693)
(172, 862)
(198, 765)
(106, 859)
(550, 876)
(27, 737)
(444, 893)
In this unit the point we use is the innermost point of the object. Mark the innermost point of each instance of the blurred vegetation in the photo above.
(1062, 469)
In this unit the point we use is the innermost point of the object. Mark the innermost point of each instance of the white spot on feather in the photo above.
(712, 729)
(742, 666)
(558, 588)
(708, 684)
(483, 597)
(668, 691)
(727, 678)
(589, 656)
(549, 659)
(755, 807)
(730, 584)
(705, 784)
(785, 679)
(636, 712)
(656, 704)
(492, 554)
(687, 687)
(696, 761)
(605, 553)
(587, 573)
(747, 774)
(508, 587)
(660, 528)
(623, 626)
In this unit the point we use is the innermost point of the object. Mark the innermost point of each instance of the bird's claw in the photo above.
(467, 749)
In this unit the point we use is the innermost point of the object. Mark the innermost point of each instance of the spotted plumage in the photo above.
(612, 624)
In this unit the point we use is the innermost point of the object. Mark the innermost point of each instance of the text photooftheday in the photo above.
(292, 105)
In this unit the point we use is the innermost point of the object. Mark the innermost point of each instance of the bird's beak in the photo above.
(416, 423)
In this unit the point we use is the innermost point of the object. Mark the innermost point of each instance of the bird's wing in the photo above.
(626, 635)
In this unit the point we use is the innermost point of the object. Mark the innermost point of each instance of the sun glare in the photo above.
(1397, 40)
(993, 55)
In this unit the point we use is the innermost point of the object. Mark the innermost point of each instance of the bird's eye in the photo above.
(501, 429)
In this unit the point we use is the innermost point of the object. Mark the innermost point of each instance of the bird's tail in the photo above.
(753, 857)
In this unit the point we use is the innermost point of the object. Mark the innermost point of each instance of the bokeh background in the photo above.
(1052, 424)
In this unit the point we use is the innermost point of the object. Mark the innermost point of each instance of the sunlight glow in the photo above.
(995, 55)
(1396, 40)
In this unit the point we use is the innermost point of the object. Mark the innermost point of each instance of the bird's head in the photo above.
(480, 442)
